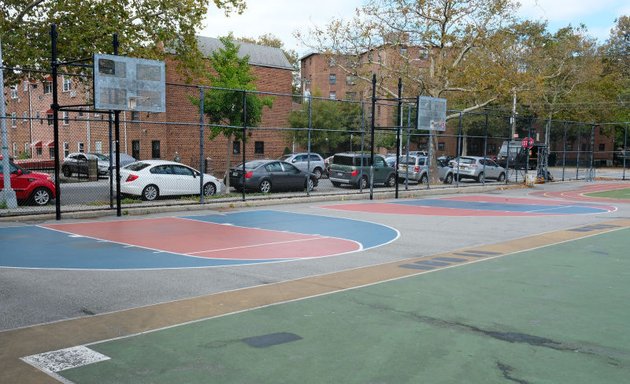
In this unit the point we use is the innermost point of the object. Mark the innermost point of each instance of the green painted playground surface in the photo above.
(558, 314)
(622, 194)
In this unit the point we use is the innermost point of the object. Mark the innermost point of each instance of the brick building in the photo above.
(150, 135)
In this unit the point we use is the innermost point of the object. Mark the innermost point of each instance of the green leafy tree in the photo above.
(225, 103)
(270, 40)
(334, 124)
(87, 26)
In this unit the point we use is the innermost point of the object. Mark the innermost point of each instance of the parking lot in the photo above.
(525, 285)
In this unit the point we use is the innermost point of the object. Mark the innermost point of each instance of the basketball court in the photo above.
(391, 291)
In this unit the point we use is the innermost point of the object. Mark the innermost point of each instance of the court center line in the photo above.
(254, 245)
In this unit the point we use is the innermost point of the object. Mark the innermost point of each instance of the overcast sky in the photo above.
(282, 17)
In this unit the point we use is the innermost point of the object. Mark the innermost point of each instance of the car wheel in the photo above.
(481, 178)
(424, 179)
(391, 181)
(209, 189)
(150, 192)
(67, 172)
(309, 184)
(363, 183)
(265, 186)
(501, 177)
(448, 179)
(317, 172)
(41, 196)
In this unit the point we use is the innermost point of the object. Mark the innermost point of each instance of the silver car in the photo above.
(477, 168)
(415, 168)
(306, 162)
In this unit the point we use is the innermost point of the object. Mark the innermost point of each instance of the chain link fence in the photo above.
(214, 131)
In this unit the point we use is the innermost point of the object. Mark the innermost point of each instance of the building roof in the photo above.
(258, 54)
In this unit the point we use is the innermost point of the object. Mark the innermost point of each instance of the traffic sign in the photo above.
(527, 142)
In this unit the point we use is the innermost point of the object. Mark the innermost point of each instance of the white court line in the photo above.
(254, 246)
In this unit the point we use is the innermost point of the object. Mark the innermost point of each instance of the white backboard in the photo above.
(431, 113)
(129, 84)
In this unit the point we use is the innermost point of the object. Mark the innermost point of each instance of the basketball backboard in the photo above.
(431, 113)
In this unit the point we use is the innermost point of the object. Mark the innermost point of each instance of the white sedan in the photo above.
(151, 179)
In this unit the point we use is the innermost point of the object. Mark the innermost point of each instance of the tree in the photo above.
(86, 27)
(333, 125)
(225, 102)
(270, 40)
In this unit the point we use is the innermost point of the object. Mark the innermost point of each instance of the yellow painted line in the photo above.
(53, 336)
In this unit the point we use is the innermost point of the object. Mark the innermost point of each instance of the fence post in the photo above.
(244, 139)
(625, 150)
(308, 142)
(564, 150)
(398, 136)
(577, 159)
(202, 167)
(55, 107)
(373, 122)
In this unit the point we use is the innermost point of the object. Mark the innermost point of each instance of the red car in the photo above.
(30, 187)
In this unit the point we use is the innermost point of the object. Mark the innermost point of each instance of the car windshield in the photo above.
(252, 164)
(100, 156)
(137, 166)
(466, 160)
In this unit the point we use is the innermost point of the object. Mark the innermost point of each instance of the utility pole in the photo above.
(8, 194)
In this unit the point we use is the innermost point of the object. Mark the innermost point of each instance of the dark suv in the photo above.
(354, 169)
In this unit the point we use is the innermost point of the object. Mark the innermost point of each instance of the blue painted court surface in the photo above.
(188, 242)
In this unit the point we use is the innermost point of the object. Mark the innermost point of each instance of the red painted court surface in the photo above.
(478, 205)
(580, 194)
(210, 240)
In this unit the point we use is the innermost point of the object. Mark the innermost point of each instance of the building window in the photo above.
(13, 119)
(50, 118)
(236, 147)
(135, 149)
(259, 147)
(38, 151)
(332, 79)
(602, 146)
(67, 84)
(98, 146)
(27, 149)
(135, 115)
(66, 149)
(441, 146)
(331, 62)
(351, 80)
(66, 117)
(584, 147)
(51, 152)
(80, 147)
(332, 95)
(24, 116)
(155, 149)
(403, 51)
(47, 87)
(14, 92)
(25, 85)
(423, 54)
(15, 154)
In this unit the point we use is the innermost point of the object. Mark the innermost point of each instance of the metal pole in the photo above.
(372, 124)
(577, 161)
(625, 150)
(591, 169)
(202, 166)
(308, 142)
(564, 150)
(117, 141)
(485, 148)
(111, 160)
(460, 128)
(244, 138)
(55, 108)
(398, 142)
(8, 194)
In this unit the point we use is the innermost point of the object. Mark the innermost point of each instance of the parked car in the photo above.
(270, 176)
(391, 161)
(354, 169)
(30, 187)
(151, 179)
(306, 162)
(477, 168)
(415, 168)
(78, 163)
